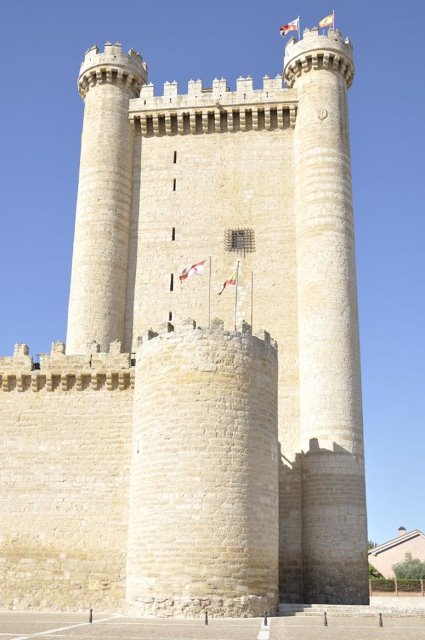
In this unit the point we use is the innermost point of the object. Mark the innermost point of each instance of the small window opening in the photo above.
(173, 234)
(170, 316)
(174, 184)
(239, 240)
(171, 281)
(175, 157)
(238, 237)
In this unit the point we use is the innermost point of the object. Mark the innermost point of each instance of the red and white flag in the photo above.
(294, 25)
(196, 269)
(232, 280)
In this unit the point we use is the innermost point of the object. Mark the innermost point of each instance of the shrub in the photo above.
(409, 585)
(410, 568)
(374, 573)
(382, 584)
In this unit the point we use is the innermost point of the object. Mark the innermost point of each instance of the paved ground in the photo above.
(25, 626)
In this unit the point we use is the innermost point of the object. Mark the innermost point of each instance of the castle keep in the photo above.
(166, 466)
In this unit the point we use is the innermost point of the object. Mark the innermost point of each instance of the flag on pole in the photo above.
(294, 25)
(196, 269)
(232, 280)
(328, 21)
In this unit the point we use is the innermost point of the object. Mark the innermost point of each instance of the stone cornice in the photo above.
(55, 380)
(216, 119)
(109, 75)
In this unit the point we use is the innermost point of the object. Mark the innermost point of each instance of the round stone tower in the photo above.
(99, 267)
(321, 70)
(203, 529)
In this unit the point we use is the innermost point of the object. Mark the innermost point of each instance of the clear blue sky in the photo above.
(41, 113)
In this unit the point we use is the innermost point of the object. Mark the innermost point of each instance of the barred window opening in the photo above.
(239, 240)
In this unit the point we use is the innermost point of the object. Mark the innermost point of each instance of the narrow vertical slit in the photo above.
(170, 316)
(175, 157)
(173, 233)
(174, 184)
(171, 281)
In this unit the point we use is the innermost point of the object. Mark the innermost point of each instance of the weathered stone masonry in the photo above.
(125, 455)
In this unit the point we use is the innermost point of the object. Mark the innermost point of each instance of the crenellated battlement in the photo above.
(110, 370)
(214, 109)
(190, 330)
(112, 66)
(318, 51)
(58, 371)
(198, 94)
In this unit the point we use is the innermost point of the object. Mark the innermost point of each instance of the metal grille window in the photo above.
(239, 240)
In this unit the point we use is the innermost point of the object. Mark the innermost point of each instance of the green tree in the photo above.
(410, 568)
(374, 573)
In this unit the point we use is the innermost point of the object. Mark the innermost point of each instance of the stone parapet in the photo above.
(112, 66)
(57, 371)
(216, 109)
(316, 52)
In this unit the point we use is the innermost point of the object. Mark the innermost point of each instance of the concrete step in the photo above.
(400, 608)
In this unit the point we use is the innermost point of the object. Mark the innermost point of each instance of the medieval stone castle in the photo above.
(166, 466)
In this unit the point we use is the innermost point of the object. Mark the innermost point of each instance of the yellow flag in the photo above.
(328, 21)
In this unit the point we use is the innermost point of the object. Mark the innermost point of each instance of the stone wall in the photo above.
(334, 527)
(223, 181)
(64, 472)
(203, 530)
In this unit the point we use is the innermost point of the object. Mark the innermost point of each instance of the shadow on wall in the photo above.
(322, 527)
(134, 241)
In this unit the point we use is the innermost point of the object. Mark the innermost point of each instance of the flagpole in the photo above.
(333, 19)
(299, 28)
(209, 298)
(252, 298)
(236, 293)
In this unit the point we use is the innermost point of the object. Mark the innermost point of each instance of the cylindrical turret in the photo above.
(334, 513)
(203, 530)
(99, 267)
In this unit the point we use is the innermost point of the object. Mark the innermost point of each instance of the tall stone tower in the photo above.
(334, 515)
(203, 527)
(106, 83)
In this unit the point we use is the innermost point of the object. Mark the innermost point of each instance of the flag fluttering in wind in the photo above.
(232, 280)
(328, 21)
(196, 269)
(294, 25)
